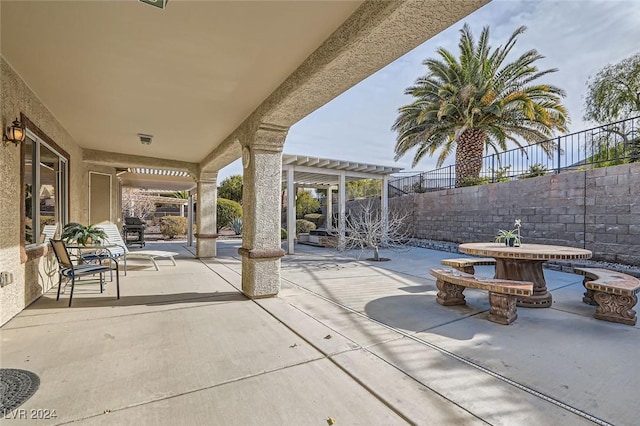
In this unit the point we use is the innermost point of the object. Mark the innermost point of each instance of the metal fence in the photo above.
(607, 145)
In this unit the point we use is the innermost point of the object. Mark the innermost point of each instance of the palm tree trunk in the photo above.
(469, 150)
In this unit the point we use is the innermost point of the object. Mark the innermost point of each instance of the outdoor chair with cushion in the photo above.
(71, 271)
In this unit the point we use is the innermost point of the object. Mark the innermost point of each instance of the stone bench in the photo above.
(502, 293)
(614, 293)
(466, 264)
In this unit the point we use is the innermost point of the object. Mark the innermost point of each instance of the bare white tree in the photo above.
(367, 229)
(135, 203)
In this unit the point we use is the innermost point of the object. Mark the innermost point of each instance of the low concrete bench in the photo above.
(502, 293)
(613, 292)
(466, 264)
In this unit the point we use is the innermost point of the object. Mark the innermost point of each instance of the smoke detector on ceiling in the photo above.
(145, 139)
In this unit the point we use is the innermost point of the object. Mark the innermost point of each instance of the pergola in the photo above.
(329, 174)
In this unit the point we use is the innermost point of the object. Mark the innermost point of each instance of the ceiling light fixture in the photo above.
(160, 4)
(145, 139)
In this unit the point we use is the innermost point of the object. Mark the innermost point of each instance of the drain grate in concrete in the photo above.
(16, 386)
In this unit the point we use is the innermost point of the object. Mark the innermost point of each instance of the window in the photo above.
(45, 186)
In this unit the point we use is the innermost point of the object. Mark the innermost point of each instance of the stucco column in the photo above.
(329, 219)
(206, 218)
(262, 185)
(291, 211)
(190, 220)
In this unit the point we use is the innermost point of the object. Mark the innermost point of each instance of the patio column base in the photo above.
(261, 272)
(206, 245)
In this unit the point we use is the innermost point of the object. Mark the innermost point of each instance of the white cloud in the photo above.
(577, 37)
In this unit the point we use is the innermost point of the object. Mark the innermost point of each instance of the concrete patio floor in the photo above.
(358, 342)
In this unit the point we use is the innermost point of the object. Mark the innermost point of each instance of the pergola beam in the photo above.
(115, 159)
(338, 172)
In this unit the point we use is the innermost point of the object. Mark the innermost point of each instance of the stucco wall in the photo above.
(26, 283)
(596, 209)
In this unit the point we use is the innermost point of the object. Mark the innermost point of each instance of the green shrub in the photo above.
(534, 171)
(231, 188)
(226, 212)
(283, 234)
(501, 174)
(304, 226)
(418, 187)
(170, 226)
(316, 218)
(473, 181)
(305, 204)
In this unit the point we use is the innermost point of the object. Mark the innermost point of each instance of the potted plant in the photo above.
(82, 234)
(511, 237)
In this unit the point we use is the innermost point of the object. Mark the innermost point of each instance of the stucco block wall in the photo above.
(597, 209)
(25, 284)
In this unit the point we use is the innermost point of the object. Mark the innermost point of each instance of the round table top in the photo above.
(525, 251)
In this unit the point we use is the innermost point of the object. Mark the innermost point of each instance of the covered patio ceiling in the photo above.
(188, 75)
(192, 74)
(318, 172)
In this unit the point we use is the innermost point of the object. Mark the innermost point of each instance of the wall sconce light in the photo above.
(14, 134)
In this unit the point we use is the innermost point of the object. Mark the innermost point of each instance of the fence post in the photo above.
(493, 168)
(586, 148)
(450, 177)
(559, 153)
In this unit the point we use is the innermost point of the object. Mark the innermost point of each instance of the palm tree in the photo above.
(182, 195)
(474, 102)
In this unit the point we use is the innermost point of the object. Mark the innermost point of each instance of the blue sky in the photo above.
(577, 37)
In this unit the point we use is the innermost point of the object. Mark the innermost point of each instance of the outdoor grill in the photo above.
(134, 226)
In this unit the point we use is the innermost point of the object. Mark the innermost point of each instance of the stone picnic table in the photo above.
(524, 263)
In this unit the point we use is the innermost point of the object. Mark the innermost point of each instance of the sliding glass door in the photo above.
(45, 191)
